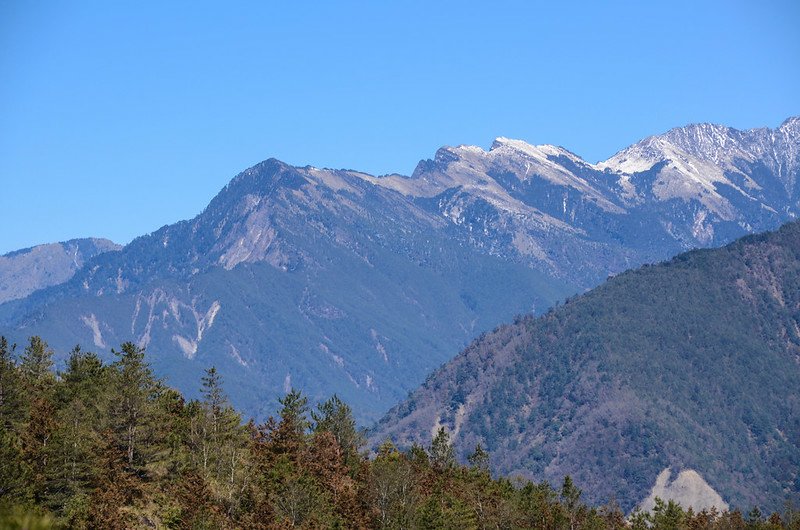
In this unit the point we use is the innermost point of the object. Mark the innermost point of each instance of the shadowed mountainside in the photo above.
(689, 364)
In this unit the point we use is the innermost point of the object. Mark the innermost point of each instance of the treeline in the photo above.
(109, 446)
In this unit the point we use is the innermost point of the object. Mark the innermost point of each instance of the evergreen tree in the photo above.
(67, 458)
(443, 456)
(667, 515)
(81, 400)
(336, 417)
(294, 407)
(479, 459)
(393, 491)
(754, 517)
(325, 462)
(197, 508)
(37, 446)
(223, 442)
(289, 436)
(214, 401)
(133, 391)
(570, 496)
(295, 500)
(36, 364)
(538, 506)
(15, 476)
(10, 398)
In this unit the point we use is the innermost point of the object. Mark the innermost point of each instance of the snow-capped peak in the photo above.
(791, 126)
(542, 152)
(502, 141)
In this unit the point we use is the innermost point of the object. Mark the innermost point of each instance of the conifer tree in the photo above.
(36, 363)
(15, 476)
(197, 509)
(326, 463)
(10, 392)
(81, 397)
(336, 417)
(570, 496)
(479, 459)
(37, 447)
(288, 438)
(222, 438)
(133, 391)
(442, 453)
(393, 492)
(214, 401)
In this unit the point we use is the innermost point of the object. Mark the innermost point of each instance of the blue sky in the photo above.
(116, 119)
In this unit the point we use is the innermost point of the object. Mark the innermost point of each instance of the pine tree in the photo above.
(197, 509)
(667, 515)
(131, 411)
(15, 475)
(214, 401)
(81, 397)
(570, 496)
(325, 461)
(37, 447)
(754, 517)
(223, 441)
(392, 488)
(479, 459)
(442, 454)
(538, 505)
(36, 364)
(10, 391)
(336, 417)
(289, 436)
(296, 499)
(483, 494)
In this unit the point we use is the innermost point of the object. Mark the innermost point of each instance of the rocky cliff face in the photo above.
(339, 281)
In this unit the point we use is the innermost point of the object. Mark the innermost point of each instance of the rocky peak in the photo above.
(791, 125)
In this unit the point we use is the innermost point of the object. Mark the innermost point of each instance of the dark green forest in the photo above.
(108, 445)
(693, 363)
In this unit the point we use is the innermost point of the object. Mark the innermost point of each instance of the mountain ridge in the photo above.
(27, 270)
(471, 238)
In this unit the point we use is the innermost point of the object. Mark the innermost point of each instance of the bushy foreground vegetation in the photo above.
(109, 446)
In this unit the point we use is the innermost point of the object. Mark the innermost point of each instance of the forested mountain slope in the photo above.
(690, 364)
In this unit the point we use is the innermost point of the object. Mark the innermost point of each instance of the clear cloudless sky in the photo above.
(119, 117)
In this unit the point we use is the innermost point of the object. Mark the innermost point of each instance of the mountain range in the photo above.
(340, 281)
(689, 366)
(25, 271)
